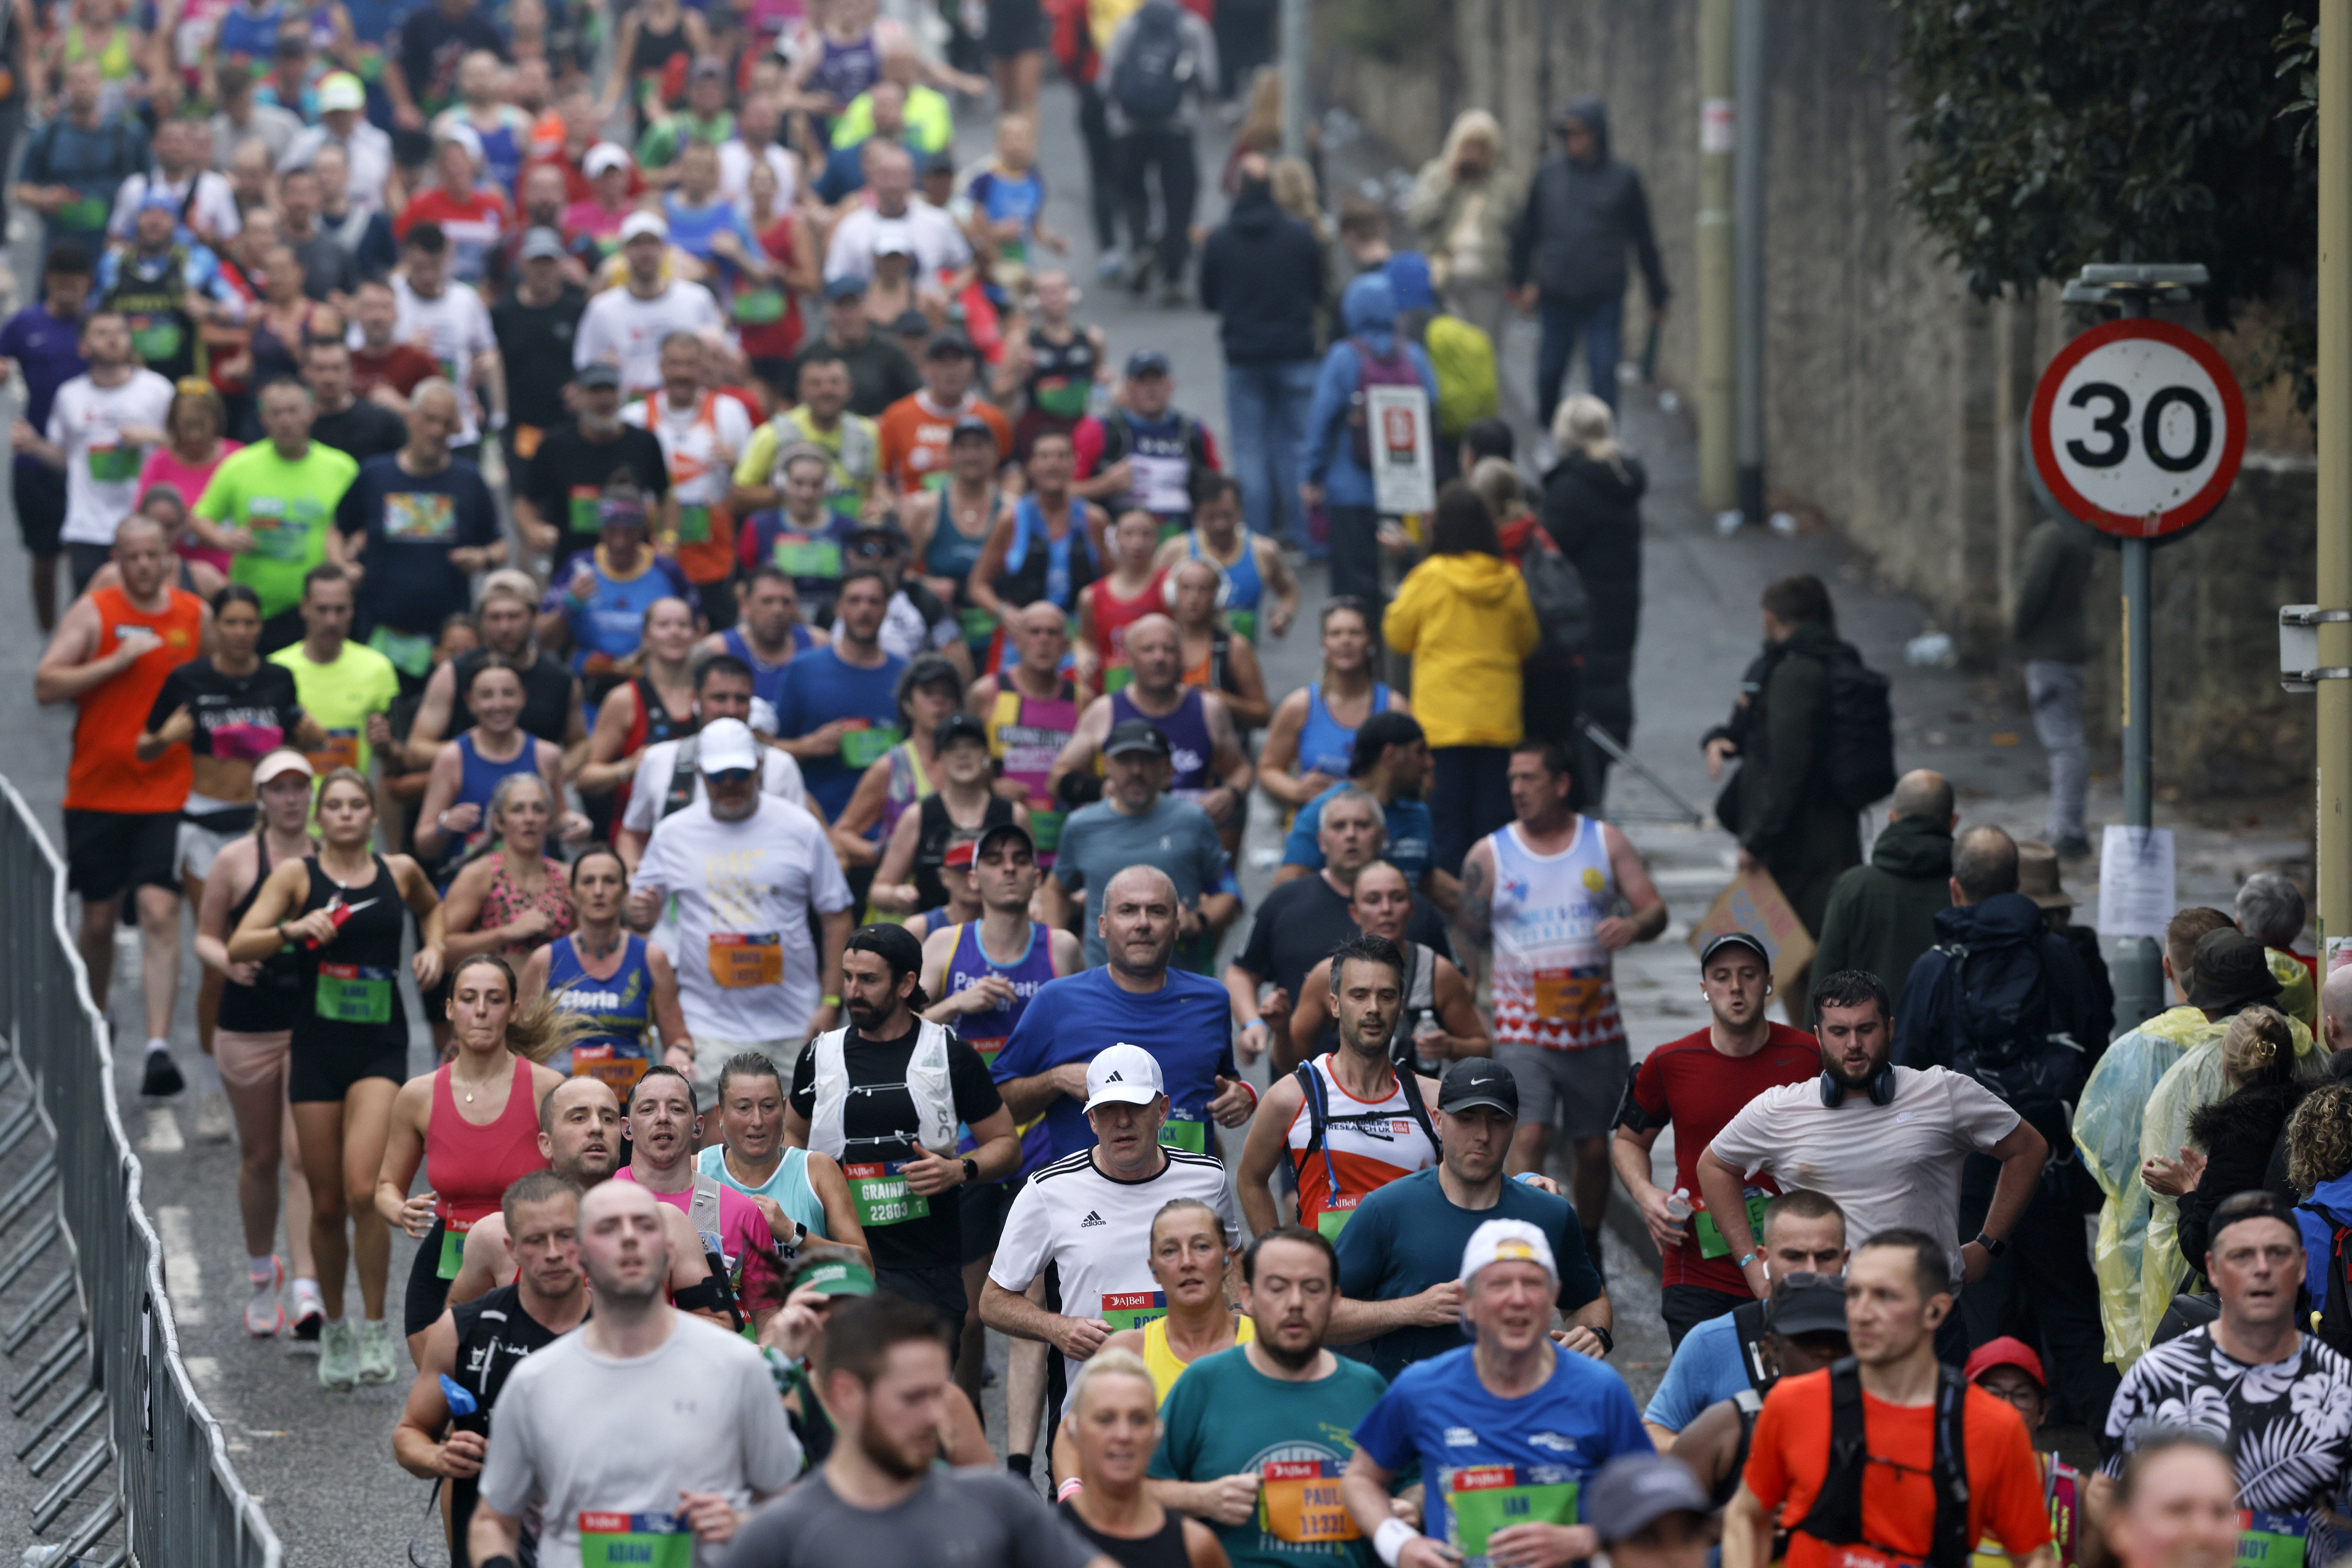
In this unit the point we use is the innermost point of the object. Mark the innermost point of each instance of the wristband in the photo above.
(1069, 1489)
(830, 1001)
(1608, 1341)
(1387, 1541)
(1747, 1259)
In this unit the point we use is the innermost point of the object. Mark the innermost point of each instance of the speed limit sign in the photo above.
(2136, 429)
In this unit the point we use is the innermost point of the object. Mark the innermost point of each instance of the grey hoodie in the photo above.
(1571, 238)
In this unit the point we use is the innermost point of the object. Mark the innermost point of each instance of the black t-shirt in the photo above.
(1302, 921)
(569, 473)
(363, 430)
(327, 267)
(886, 1112)
(494, 1335)
(411, 522)
(431, 44)
(547, 697)
(879, 374)
(535, 341)
(240, 717)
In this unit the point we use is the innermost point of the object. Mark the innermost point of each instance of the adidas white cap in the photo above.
(1124, 1075)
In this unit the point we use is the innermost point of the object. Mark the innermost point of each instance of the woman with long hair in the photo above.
(466, 771)
(1592, 509)
(512, 899)
(928, 691)
(2239, 1140)
(340, 911)
(256, 1004)
(1313, 734)
(230, 709)
(655, 702)
(768, 317)
(473, 1122)
(620, 983)
(197, 424)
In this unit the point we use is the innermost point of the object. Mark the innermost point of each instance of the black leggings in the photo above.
(1102, 165)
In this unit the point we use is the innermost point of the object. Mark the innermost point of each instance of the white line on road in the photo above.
(183, 1275)
(162, 1133)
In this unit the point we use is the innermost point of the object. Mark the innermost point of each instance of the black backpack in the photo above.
(1563, 609)
(2000, 1029)
(1155, 67)
(1859, 758)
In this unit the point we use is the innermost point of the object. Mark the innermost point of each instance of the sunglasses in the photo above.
(731, 776)
(873, 549)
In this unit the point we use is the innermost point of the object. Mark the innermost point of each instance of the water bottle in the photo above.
(1678, 1207)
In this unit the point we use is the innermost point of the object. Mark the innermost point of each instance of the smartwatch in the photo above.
(1992, 1248)
(970, 1169)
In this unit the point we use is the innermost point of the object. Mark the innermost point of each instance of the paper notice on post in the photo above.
(2137, 897)
(1403, 449)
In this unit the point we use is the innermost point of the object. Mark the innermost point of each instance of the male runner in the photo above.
(767, 632)
(272, 506)
(1439, 1020)
(669, 778)
(645, 1426)
(664, 1125)
(348, 688)
(838, 707)
(1030, 710)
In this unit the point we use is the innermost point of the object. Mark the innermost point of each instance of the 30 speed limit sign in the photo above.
(2136, 429)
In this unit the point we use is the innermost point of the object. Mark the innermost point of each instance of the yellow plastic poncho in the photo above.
(2296, 999)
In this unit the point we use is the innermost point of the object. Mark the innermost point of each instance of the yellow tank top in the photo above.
(1164, 1367)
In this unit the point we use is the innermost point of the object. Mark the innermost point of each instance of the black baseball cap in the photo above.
(949, 345)
(1479, 1081)
(1135, 735)
(599, 373)
(959, 726)
(989, 835)
(1816, 1306)
(1722, 939)
(1147, 361)
(1634, 1491)
(971, 425)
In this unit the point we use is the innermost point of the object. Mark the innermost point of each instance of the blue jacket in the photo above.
(2329, 1205)
(1327, 459)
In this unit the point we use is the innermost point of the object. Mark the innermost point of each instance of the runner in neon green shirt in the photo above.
(273, 506)
(343, 684)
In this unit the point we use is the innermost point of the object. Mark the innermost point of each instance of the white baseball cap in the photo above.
(603, 156)
(726, 743)
(894, 236)
(464, 135)
(278, 762)
(1505, 1241)
(341, 89)
(1122, 1075)
(639, 223)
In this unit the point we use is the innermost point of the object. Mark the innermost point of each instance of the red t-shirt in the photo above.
(400, 367)
(1698, 1089)
(1790, 1454)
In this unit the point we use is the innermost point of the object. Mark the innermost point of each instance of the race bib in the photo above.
(864, 748)
(986, 1050)
(1183, 1133)
(693, 524)
(1133, 1308)
(1565, 994)
(1334, 1215)
(1045, 830)
(156, 338)
(1710, 1240)
(616, 1067)
(2271, 1539)
(583, 512)
(978, 625)
(342, 750)
(881, 1194)
(278, 539)
(1483, 1498)
(113, 464)
(758, 306)
(808, 558)
(453, 1247)
(739, 960)
(636, 1541)
(409, 654)
(355, 993)
(1118, 678)
(1245, 624)
(84, 213)
(1298, 1502)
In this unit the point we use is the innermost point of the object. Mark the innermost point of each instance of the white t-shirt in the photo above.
(742, 891)
(579, 1433)
(938, 244)
(213, 215)
(735, 173)
(1896, 1164)
(699, 442)
(779, 775)
(458, 325)
(619, 325)
(369, 152)
(1094, 1230)
(906, 634)
(102, 471)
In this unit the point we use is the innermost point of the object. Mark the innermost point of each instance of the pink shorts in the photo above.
(252, 1061)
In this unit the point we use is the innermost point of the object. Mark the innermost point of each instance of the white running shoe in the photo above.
(375, 1352)
(213, 1123)
(265, 1318)
(339, 1356)
(309, 1316)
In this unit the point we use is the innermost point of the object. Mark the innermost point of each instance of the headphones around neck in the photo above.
(1881, 1087)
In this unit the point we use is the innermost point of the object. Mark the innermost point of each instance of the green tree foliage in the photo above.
(2055, 132)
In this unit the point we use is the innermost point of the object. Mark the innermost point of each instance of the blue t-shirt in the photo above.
(1705, 1369)
(820, 686)
(1186, 1024)
(612, 622)
(1406, 847)
(1407, 1236)
(1437, 1414)
(50, 352)
(693, 229)
(999, 196)
(1099, 841)
(411, 522)
(92, 161)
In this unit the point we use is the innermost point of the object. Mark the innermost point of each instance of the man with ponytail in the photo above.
(883, 1094)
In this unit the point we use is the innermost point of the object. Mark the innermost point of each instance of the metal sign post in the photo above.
(2136, 430)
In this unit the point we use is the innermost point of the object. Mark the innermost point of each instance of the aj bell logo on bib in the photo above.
(1554, 1441)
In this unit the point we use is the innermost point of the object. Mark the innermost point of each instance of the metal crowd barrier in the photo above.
(182, 1502)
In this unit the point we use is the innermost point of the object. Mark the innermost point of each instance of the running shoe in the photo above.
(309, 1314)
(375, 1352)
(339, 1356)
(1111, 263)
(162, 1080)
(213, 1123)
(265, 1318)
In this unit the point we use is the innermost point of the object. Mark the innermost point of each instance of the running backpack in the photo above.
(1320, 1117)
(2333, 1322)
(1371, 371)
(2000, 1029)
(1835, 1517)
(1860, 755)
(1555, 588)
(1155, 67)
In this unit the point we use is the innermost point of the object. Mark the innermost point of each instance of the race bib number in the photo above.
(410, 655)
(693, 524)
(1045, 830)
(1298, 1502)
(882, 1195)
(1334, 1215)
(1565, 994)
(355, 993)
(113, 464)
(1483, 1498)
(864, 748)
(808, 558)
(1183, 1133)
(453, 1247)
(278, 537)
(636, 1541)
(616, 1067)
(1710, 1240)
(739, 960)
(1133, 1308)
(2271, 1539)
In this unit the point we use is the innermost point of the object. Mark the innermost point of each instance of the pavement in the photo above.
(320, 1464)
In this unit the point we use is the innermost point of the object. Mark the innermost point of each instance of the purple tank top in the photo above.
(844, 70)
(1186, 730)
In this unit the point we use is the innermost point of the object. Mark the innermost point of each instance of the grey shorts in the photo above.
(1576, 1092)
(200, 846)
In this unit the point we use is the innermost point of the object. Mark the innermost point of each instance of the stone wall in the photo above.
(1894, 396)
